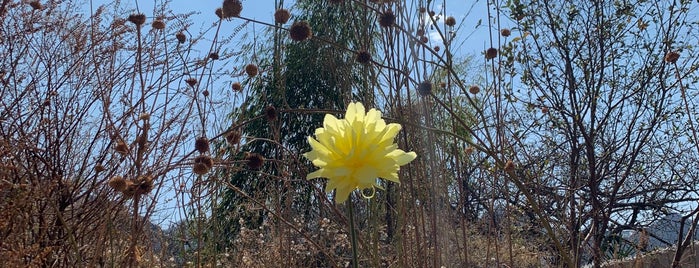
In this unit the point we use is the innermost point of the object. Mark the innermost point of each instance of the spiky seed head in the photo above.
(206, 160)
(219, 13)
(200, 169)
(36, 5)
(99, 168)
(282, 15)
(436, 48)
(214, 56)
(121, 147)
(424, 88)
(251, 70)
(236, 87)
(363, 57)
(233, 137)
(181, 37)
(387, 19)
(474, 89)
(450, 21)
(491, 53)
(158, 24)
(117, 183)
(505, 32)
(201, 144)
(271, 113)
(509, 166)
(300, 31)
(424, 39)
(205, 93)
(137, 19)
(232, 8)
(254, 160)
(672, 56)
(145, 184)
(130, 190)
(191, 81)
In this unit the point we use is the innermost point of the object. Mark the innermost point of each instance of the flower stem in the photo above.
(353, 233)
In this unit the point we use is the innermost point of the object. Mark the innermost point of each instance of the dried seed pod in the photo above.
(509, 166)
(505, 32)
(300, 31)
(158, 24)
(281, 16)
(145, 184)
(251, 70)
(36, 5)
(214, 56)
(424, 88)
(201, 144)
(191, 81)
(121, 147)
(181, 37)
(491, 53)
(233, 137)
(450, 21)
(363, 57)
(232, 8)
(254, 160)
(672, 56)
(236, 87)
(474, 89)
(117, 183)
(387, 19)
(137, 19)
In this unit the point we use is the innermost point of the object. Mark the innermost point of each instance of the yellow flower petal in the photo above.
(353, 152)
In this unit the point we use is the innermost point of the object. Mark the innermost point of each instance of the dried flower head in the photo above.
(236, 87)
(202, 164)
(363, 57)
(353, 152)
(144, 116)
(387, 19)
(450, 21)
(214, 56)
(254, 160)
(281, 16)
(424, 88)
(420, 32)
(99, 168)
(300, 31)
(474, 89)
(424, 39)
(233, 137)
(505, 32)
(181, 37)
(491, 53)
(271, 113)
(201, 144)
(205, 93)
(219, 13)
(509, 166)
(251, 70)
(117, 183)
(137, 19)
(130, 190)
(422, 9)
(200, 169)
(232, 8)
(436, 48)
(672, 56)
(544, 110)
(158, 24)
(121, 147)
(145, 184)
(191, 81)
(36, 5)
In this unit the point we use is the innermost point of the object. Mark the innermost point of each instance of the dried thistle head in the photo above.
(219, 13)
(300, 31)
(387, 18)
(281, 16)
(158, 24)
(233, 137)
(191, 81)
(117, 183)
(214, 56)
(271, 113)
(200, 169)
(121, 147)
(505, 32)
(99, 168)
(424, 88)
(232, 8)
(363, 57)
(203, 164)
(201, 144)
(474, 89)
(509, 166)
(236, 87)
(424, 39)
(491, 53)
(450, 21)
(36, 5)
(181, 37)
(251, 70)
(137, 19)
(672, 56)
(145, 184)
(130, 190)
(254, 160)
(144, 116)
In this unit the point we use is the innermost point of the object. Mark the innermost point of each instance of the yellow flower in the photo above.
(353, 152)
